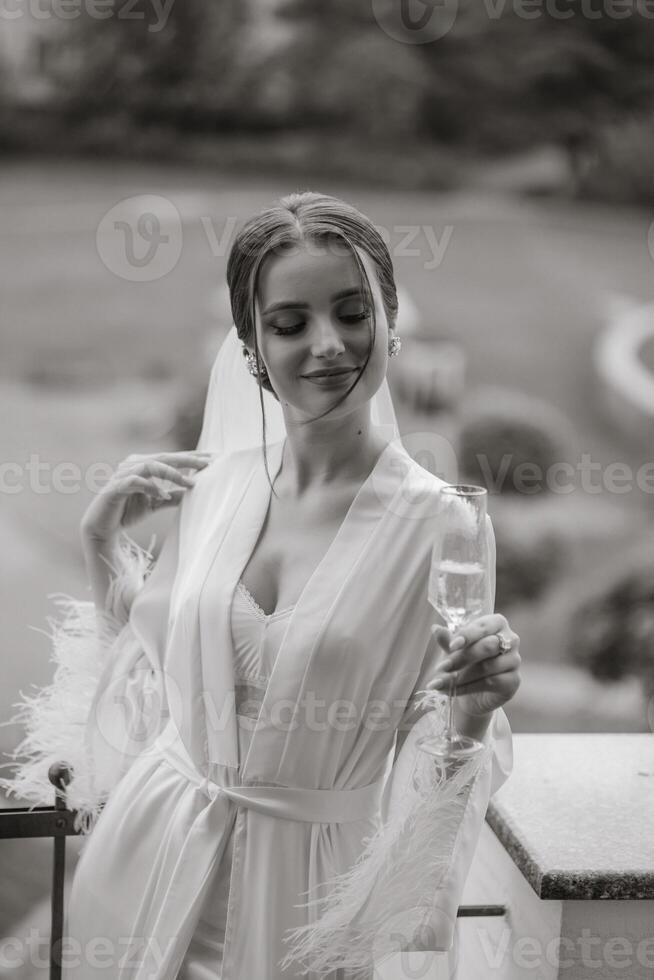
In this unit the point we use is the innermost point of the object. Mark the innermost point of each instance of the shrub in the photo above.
(612, 633)
(501, 431)
(622, 169)
(526, 564)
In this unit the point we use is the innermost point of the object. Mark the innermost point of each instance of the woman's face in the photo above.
(312, 316)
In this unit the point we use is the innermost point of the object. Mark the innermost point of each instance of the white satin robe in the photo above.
(309, 791)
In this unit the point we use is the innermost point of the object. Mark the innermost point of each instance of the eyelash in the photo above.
(280, 332)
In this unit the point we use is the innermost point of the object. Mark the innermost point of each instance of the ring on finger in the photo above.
(504, 645)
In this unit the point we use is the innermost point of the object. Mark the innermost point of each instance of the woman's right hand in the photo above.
(140, 484)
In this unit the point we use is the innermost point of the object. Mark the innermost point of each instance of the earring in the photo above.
(252, 364)
(394, 346)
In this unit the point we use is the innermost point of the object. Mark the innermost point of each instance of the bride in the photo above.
(282, 633)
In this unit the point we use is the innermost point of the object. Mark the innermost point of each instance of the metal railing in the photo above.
(48, 821)
(58, 822)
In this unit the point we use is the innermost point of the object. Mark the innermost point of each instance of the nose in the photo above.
(326, 340)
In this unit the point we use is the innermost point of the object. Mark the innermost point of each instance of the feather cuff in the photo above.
(403, 892)
(92, 653)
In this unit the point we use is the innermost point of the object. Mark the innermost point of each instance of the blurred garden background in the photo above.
(508, 158)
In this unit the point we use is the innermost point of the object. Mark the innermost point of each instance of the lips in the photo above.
(330, 380)
(330, 374)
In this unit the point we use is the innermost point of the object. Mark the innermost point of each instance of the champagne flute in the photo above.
(459, 583)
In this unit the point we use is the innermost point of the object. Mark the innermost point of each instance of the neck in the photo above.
(324, 453)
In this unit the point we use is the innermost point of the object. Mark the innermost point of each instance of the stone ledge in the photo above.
(577, 815)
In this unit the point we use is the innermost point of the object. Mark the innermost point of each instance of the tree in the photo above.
(346, 71)
(186, 70)
(506, 81)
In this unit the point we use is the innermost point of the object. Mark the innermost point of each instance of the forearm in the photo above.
(99, 555)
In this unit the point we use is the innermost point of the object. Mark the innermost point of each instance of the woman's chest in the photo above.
(292, 543)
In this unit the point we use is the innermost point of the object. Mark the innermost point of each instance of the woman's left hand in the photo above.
(485, 678)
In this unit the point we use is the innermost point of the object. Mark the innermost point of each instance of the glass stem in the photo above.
(450, 730)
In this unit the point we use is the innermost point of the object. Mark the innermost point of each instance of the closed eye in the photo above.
(350, 318)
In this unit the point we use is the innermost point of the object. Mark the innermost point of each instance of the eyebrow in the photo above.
(305, 306)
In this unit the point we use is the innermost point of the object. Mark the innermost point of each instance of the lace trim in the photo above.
(257, 608)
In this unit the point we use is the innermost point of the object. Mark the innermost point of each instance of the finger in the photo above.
(134, 484)
(168, 477)
(478, 628)
(180, 459)
(188, 458)
(169, 500)
(439, 644)
(440, 633)
(486, 668)
(140, 484)
(151, 464)
(441, 636)
(509, 681)
(161, 473)
(484, 649)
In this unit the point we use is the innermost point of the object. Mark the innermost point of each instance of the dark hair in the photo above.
(303, 218)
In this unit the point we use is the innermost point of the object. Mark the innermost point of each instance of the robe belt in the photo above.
(287, 802)
(169, 919)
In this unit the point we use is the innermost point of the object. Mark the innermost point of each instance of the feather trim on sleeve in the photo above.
(91, 652)
(403, 892)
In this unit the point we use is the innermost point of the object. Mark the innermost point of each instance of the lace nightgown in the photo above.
(256, 638)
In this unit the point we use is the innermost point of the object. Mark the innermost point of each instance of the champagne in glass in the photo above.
(459, 583)
(456, 590)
